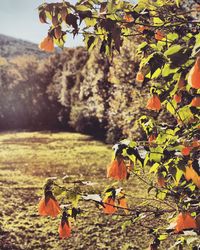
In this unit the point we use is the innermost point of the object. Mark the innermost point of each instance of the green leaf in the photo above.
(156, 154)
(166, 70)
(162, 194)
(172, 50)
(171, 107)
(154, 168)
(172, 36)
(163, 237)
(142, 46)
(178, 2)
(157, 21)
(132, 158)
(185, 114)
(179, 174)
(82, 7)
(146, 160)
(90, 22)
(156, 74)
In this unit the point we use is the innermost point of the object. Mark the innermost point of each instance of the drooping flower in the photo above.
(48, 205)
(186, 151)
(151, 138)
(177, 98)
(161, 181)
(181, 84)
(196, 143)
(159, 35)
(195, 102)
(154, 103)
(194, 75)
(189, 173)
(47, 44)
(117, 169)
(141, 28)
(128, 18)
(185, 221)
(192, 173)
(64, 227)
(139, 77)
(109, 205)
(123, 204)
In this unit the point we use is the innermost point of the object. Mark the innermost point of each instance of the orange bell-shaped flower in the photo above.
(117, 169)
(139, 77)
(48, 205)
(186, 151)
(196, 143)
(191, 174)
(159, 35)
(64, 227)
(161, 181)
(195, 102)
(123, 204)
(128, 18)
(141, 28)
(181, 84)
(194, 75)
(177, 98)
(109, 206)
(185, 221)
(47, 44)
(154, 103)
(151, 138)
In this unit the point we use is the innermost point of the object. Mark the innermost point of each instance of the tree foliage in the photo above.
(167, 34)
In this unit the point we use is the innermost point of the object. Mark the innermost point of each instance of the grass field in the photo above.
(26, 159)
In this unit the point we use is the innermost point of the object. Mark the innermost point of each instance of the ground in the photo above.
(26, 160)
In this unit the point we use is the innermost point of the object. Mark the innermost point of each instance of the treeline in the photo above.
(75, 91)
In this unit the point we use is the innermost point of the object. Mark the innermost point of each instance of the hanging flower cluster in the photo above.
(170, 63)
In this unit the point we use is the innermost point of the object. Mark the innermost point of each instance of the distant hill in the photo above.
(11, 47)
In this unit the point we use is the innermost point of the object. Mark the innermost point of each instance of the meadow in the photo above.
(26, 160)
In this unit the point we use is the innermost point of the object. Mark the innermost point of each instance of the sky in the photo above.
(19, 19)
